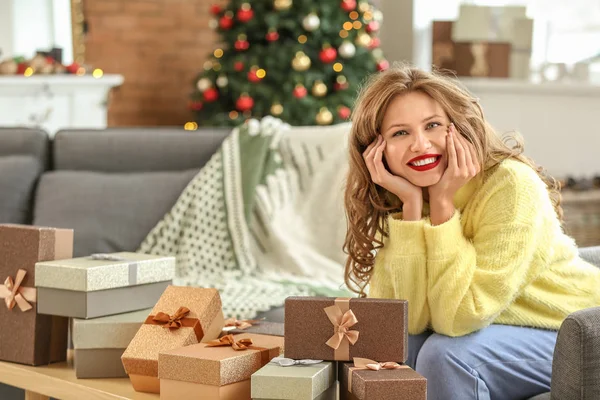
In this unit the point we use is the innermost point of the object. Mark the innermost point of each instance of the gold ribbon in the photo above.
(240, 345)
(365, 363)
(176, 321)
(13, 293)
(240, 324)
(342, 319)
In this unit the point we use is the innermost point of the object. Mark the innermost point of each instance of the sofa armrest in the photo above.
(576, 362)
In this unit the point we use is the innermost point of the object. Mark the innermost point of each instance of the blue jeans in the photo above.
(496, 363)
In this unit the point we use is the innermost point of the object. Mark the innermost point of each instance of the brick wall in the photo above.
(159, 46)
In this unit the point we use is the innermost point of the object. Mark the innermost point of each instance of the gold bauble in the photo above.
(281, 5)
(301, 62)
(276, 109)
(319, 89)
(363, 39)
(324, 117)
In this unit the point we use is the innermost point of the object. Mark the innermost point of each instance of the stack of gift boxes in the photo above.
(182, 347)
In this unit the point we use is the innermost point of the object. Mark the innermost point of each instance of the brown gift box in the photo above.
(204, 372)
(381, 329)
(25, 336)
(386, 384)
(203, 323)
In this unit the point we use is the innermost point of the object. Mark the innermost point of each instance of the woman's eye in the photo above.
(433, 125)
(400, 133)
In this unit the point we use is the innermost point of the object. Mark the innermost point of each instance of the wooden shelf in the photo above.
(59, 381)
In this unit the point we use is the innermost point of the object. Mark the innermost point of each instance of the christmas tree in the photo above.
(298, 60)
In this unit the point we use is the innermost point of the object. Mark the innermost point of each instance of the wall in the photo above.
(159, 46)
(6, 26)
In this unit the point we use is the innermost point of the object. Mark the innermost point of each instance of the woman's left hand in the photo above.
(462, 167)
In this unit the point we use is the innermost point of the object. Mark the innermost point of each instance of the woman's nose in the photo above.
(420, 143)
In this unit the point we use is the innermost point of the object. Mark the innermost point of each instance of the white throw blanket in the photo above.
(264, 218)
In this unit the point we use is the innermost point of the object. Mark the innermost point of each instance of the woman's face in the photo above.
(414, 127)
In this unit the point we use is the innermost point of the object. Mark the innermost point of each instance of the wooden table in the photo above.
(58, 381)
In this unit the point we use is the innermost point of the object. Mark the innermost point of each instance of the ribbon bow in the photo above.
(341, 324)
(13, 293)
(106, 257)
(233, 323)
(171, 322)
(228, 340)
(288, 362)
(365, 363)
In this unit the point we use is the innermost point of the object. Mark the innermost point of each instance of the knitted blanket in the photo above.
(263, 219)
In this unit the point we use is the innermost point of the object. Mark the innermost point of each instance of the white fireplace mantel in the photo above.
(54, 102)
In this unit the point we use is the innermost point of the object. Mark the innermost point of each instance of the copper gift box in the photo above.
(328, 328)
(25, 336)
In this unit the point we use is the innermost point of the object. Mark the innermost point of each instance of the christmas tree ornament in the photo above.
(210, 95)
(311, 22)
(238, 66)
(328, 54)
(300, 91)
(282, 5)
(341, 83)
(319, 89)
(245, 13)
(215, 9)
(203, 84)
(383, 65)
(343, 112)
(348, 5)
(241, 43)
(378, 16)
(272, 35)
(364, 6)
(244, 103)
(222, 81)
(225, 22)
(363, 39)
(301, 62)
(276, 109)
(213, 23)
(372, 26)
(375, 43)
(195, 105)
(324, 117)
(347, 49)
(72, 68)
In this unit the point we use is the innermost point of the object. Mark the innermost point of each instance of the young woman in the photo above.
(446, 215)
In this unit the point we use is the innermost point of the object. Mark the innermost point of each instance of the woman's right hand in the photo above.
(410, 195)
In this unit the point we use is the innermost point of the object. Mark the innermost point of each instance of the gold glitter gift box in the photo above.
(102, 284)
(27, 337)
(287, 379)
(183, 316)
(217, 370)
(99, 343)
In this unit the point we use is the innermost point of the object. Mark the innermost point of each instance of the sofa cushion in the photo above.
(18, 176)
(109, 212)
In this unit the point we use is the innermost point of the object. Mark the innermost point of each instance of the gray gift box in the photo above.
(99, 343)
(102, 284)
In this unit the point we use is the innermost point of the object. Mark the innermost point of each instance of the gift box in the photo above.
(102, 284)
(370, 380)
(99, 343)
(328, 328)
(183, 316)
(287, 379)
(217, 370)
(27, 337)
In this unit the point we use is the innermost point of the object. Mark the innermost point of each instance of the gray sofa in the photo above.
(112, 186)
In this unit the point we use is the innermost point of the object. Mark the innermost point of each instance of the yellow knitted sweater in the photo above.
(502, 258)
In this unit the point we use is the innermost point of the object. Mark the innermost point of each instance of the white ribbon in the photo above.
(288, 362)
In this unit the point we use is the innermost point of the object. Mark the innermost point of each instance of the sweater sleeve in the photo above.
(400, 270)
(471, 281)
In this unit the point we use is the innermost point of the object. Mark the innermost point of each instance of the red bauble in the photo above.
(241, 45)
(375, 43)
(252, 77)
(344, 112)
(348, 5)
(245, 15)
(211, 94)
(300, 91)
(225, 22)
(244, 103)
(196, 105)
(383, 65)
(272, 36)
(238, 66)
(215, 9)
(373, 26)
(328, 55)
(340, 86)
(72, 69)
(21, 67)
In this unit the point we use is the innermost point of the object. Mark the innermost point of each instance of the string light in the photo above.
(343, 34)
(347, 25)
(190, 126)
(338, 67)
(218, 53)
(97, 73)
(353, 15)
(261, 73)
(28, 72)
(357, 25)
(80, 71)
(233, 114)
(302, 39)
